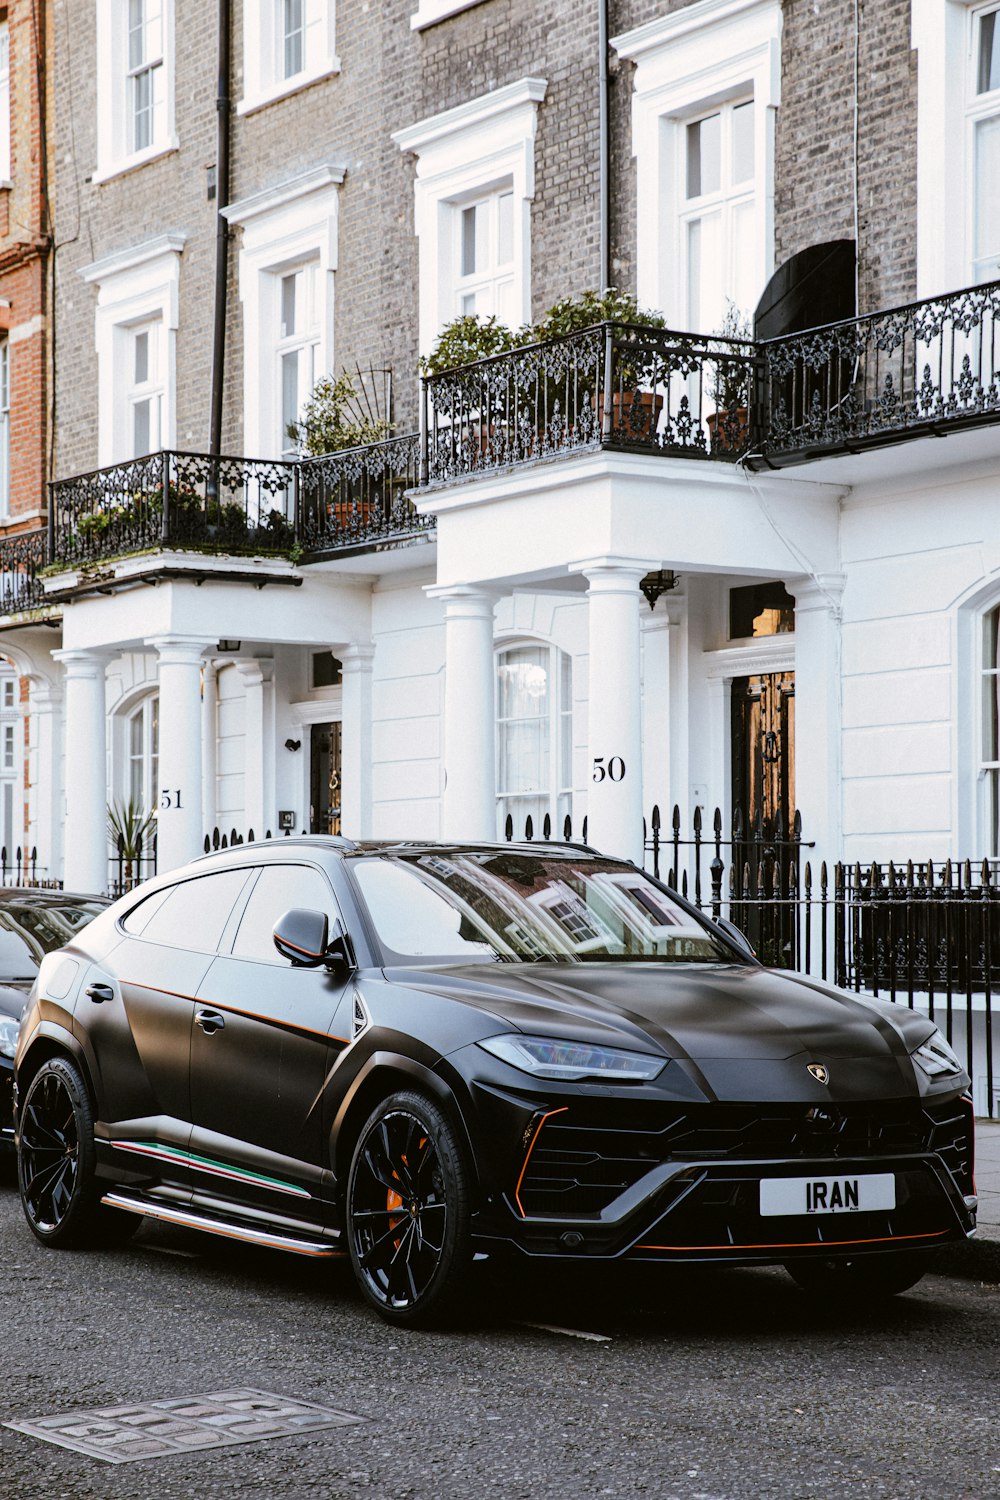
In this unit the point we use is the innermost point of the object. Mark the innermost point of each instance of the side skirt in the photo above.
(187, 1220)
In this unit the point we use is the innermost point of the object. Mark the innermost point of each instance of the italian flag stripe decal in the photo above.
(206, 1164)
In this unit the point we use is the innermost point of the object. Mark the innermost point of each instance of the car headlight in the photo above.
(545, 1058)
(8, 1035)
(936, 1057)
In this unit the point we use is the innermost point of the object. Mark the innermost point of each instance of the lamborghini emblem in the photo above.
(821, 1074)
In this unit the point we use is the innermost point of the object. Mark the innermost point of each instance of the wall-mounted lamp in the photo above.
(655, 585)
(293, 744)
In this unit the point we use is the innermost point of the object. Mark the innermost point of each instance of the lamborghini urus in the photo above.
(416, 1054)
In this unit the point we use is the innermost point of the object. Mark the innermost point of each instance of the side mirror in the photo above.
(303, 937)
(736, 937)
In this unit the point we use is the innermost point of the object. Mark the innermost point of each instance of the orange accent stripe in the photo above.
(531, 1148)
(234, 1010)
(802, 1244)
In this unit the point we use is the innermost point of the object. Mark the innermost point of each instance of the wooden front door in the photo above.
(324, 778)
(764, 752)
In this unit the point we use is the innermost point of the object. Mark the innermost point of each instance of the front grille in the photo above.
(586, 1157)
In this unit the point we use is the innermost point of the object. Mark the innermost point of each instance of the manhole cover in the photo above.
(184, 1424)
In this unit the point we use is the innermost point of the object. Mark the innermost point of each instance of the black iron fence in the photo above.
(927, 368)
(22, 556)
(20, 867)
(614, 385)
(129, 867)
(921, 934)
(359, 496)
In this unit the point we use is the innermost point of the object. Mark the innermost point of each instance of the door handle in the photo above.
(210, 1021)
(99, 993)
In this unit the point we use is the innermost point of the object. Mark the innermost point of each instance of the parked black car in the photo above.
(32, 923)
(412, 1054)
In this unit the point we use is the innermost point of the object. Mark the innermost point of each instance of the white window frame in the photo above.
(479, 147)
(491, 277)
(146, 713)
(263, 51)
(283, 229)
(711, 52)
(6, 156)
(136, 286)
(113, 92)
(12, 776)
(560, 716)
(722, 201)
(429, 12)
(978, 108)
(942, 33)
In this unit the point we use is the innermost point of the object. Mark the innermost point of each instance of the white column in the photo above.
(85, 866)
(356, 741)
(209, 744)
(818, 727)
(180, 830)
(46, 790)
(614, 807)
(258, 742)
(655, 632)
(469, 801)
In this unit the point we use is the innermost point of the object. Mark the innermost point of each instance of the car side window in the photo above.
(280, 888)
(195, 912)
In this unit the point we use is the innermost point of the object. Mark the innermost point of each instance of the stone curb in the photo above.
(977, 1260)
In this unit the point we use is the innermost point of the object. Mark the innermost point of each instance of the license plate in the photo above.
(827, 1195)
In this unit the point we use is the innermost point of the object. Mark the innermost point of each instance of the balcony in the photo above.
(924, 370)
(22, 557)
(303, 510)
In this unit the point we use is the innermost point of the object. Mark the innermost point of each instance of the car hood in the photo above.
(14, 996)
(731, 1022)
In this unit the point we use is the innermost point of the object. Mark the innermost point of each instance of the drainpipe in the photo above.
(602, 118)
(221, 229)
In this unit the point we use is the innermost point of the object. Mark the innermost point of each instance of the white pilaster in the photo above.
(356, 741)
(47, 793)
(180, 829)
(469, 801)
(258, 740)
(85, 866)
(209, 744)
(655, 633)
(614, 810)
(818, 716)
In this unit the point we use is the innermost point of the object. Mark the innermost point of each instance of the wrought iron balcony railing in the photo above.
(358, 497)
(21, 558)
(929, 368)
(614, 386)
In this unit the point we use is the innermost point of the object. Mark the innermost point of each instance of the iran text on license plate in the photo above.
(827, 1195)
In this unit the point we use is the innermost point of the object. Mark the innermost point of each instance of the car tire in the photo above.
(409, 1213)
(863, 1278)
(56, 1164)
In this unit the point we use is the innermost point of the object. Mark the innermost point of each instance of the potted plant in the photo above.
(334, 419)
(130, 828)
(729, 385)
(477, 415)
(635, 410)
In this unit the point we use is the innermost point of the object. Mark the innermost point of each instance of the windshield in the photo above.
(525, 908)
(28, 932)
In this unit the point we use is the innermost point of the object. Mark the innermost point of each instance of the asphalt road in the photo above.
(721, 1386)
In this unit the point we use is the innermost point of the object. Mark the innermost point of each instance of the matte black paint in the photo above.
(282, 1086)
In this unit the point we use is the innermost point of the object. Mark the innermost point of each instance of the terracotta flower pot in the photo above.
(728, 430)
(634, 414)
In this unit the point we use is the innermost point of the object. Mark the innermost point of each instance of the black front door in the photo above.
(324, 774)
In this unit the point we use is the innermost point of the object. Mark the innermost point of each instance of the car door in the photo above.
(260, 1053)
(138, 1011)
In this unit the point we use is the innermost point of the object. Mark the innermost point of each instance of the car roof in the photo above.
(343, 847)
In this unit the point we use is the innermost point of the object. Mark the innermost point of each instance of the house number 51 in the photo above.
(169, 800)
(613, 771)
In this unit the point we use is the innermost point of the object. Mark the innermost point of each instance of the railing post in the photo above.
(298, 529)
(606, 409)
(424, 455)
(165, 497)
(51, 524)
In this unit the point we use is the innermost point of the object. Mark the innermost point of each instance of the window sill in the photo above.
(133, 163)
(288, 86)
(5, 184)
(429, 12)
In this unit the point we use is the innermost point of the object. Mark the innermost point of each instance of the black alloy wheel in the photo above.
(408, 1212)
(863, 1278)
(56, 1163)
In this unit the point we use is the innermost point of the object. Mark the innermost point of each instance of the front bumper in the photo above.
(669, 1183)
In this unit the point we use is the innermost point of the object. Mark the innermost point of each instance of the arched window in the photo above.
(989, 749)
(534, 737)
(142, 747)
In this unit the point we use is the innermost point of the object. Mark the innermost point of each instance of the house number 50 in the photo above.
(169, 800)
(614, 770)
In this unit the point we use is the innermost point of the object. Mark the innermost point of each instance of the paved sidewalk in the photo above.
(988, 1178)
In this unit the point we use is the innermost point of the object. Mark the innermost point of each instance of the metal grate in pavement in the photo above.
(183, 1424)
